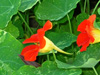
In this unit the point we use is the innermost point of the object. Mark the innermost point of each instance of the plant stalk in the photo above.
(25, 23)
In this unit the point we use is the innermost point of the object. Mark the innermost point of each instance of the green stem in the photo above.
(54, 55)
(88, 6)
(84, 5)
(48, 57)
(81, 6)
(95, 71)
(25, 22)
(96, 7)
(69, 23)
(39, 2)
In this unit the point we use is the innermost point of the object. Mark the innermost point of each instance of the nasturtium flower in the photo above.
(41, 44)
(89, 34)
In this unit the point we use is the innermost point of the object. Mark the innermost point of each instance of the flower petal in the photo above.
(82, 39)
(30, 52)
(31, 55)
(92, 18)
(41, 34)
(32, 39)
(83, 25)
(29, 48)
(47, 26)
(84, 47)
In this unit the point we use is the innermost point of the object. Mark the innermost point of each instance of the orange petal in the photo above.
(47, 26)
(32, 39)
(31, 55)
(82, 39)
(84, 47)
(83, 25)
(30, 52)
(29, 48)
(41, 34)
(92, 18)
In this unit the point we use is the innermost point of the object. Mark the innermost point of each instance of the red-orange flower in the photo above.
(42, 44)
(88, 34)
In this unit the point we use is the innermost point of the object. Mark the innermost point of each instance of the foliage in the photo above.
(19, 19)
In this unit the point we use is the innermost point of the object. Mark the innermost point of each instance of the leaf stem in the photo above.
(54, 55)
(96, 7)
(95, 71)
(88, 6)
(69, 23)
(84, 5)
(25, 23)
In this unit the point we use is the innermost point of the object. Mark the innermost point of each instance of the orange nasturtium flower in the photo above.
(42, 44)
(89, 34)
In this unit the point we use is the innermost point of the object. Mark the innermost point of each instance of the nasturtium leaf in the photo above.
(47, 68)
(12, 29)
(97, 25)
(27, 4)
(19, 24)
(81, 17)
(9, 50)
(55, 9)
(99, 11)
(62, 40)
(84, 59)
(5, 69)
(8, 8)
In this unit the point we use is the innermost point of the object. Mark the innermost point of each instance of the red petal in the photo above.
(82, 39)
(29, 48)
(92, 18)
(41, 34)
(31, 55)
(84, 47)
(32, 39)
(83, 25)
(30, 52)
(47, 26)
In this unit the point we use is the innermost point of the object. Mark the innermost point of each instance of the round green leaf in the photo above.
(13, 30)
(55, 9)
(48, 68)
(86, 59)
(62, 40)
(8, 8)
(9, 50)
(27, 4)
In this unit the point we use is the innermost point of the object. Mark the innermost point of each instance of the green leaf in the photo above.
(97, 25)
(98, 11)
(8, 8)
(27, 4)
(9, 50)
(84, 59)
(5, 69)
(18, 23)
(12, 30)
(55, 9)
(81, 17)
(62, 40)
(48, 68)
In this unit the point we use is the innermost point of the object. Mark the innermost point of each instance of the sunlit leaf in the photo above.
(9, 50)
(86, 59)
(48, 68)
(8, 8)
(55, 9)
(27, 4)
